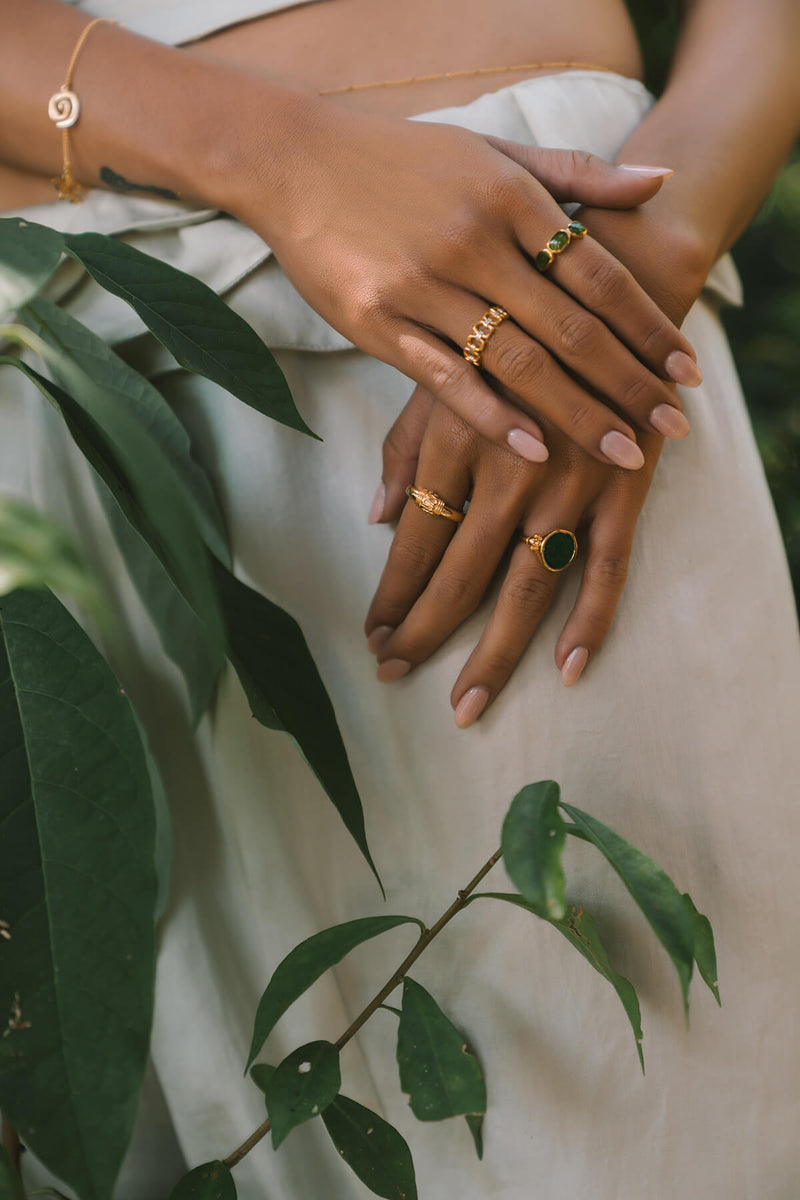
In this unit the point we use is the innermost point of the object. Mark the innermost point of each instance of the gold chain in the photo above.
(553, 66)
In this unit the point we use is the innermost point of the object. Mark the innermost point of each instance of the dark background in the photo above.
(765, 335)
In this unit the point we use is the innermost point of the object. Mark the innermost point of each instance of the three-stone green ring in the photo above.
(558, 242)
(555, 550)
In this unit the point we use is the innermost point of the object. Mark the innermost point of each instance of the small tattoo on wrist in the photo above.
(118, 183)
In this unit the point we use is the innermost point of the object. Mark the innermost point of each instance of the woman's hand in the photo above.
(402, 234)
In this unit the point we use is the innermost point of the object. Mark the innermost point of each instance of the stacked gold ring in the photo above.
(558, 242)
(431, 502)
(481, 332)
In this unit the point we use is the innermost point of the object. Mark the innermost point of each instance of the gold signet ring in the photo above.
(555, 550)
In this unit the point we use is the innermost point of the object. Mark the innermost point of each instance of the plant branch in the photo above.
(422, 944)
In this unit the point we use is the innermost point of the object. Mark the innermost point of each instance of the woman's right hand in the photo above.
(402, 234)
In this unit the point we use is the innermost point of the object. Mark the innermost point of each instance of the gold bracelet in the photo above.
(64, 108)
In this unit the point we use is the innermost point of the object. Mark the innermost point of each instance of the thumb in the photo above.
(576, 175)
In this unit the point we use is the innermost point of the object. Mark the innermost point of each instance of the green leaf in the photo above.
(533, 842)
(261, 1074)
(127, 389)
(36, 552)
(10, 1182)
(652, 889)
(373, 1148)
(78, 888)
(198, 328)
(212, 1181)
(303, 966)
(475, 1126)
(704, 953)
(267, 650)
(302, 1086)
(438, 1072)
(29, 254)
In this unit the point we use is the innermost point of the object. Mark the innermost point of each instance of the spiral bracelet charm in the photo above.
(64, 108)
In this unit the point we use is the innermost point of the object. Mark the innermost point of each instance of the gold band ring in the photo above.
(481, 332)
(558, 242)
(431, 503)
(555, 550)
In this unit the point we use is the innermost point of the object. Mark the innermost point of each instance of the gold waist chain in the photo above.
(551, 66)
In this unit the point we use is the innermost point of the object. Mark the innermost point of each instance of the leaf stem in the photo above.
(424, 940)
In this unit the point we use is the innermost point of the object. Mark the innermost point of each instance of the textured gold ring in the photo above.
(432, 503)
(481, 332)
(558, 242)
(555, 550)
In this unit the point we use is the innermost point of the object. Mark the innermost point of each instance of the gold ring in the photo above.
(481, 332)
(555, 550)
(429, 502)
(558, 242)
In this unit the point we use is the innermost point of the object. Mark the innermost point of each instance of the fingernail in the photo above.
(378, 637)
(683, 369)
(669, 421)
(572, 668)
(377, 506)
(527, 446)
(393, 668)
(621, 450)
(470, 706)
(646, 172)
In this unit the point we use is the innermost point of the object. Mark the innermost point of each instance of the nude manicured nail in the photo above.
(393, 668)
(621, 450)
(647, 172)
(669, 421)
(378, 638)
(377, 506)
(572, 668)
(527, 446)
(470, 706)
(683, 369)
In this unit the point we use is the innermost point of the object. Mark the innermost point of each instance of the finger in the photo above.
(418, 545)
(576, 175)
(524, 598)
(400, 455)
(604, 575)
(528, 370)
(458, 584)
(596, 279)
(426, 359)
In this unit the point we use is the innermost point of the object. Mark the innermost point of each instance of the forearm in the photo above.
(728, 117)
(152, 114)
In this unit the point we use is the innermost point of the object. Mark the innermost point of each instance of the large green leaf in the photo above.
(704, 953)
(301, 1087)
(269, 654)
(373, 1148)
(312, 958)
(211, 1181)
(438, 1072)
(198, 328)
(36, 552)
(533, 842)
(78, 888)
(29, 254)
(475, 1126)
(652, 889)
(127, 389)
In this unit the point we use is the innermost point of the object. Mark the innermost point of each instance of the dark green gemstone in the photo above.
(559, 240)
(543, 259)
(559, 550)
(576, 229)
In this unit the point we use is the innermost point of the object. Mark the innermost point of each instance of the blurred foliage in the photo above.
(765, 335)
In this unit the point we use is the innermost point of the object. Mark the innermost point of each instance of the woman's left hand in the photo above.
(438, 571)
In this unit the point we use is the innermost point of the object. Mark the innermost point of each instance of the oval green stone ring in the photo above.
(555, 550)
(558, 242)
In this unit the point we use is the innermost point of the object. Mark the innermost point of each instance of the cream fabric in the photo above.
(177, 21)
(682, 736)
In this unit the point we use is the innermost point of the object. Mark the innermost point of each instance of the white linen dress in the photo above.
(683, 736)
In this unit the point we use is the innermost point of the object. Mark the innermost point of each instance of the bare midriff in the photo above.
(334, 44)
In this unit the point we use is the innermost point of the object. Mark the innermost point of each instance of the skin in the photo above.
(725, 156)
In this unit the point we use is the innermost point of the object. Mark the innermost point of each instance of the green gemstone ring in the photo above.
(558, 242)
(555, 550)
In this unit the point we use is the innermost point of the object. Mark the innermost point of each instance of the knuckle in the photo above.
(518, 360)
(577, 334)
(606, 283)
(581, 160)
(609, 571)
(457, 591)
(411, 558)
(636, 390)
(529, 595)
(582, 420)
(445, 375)
(497, 666)
(367, 308)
